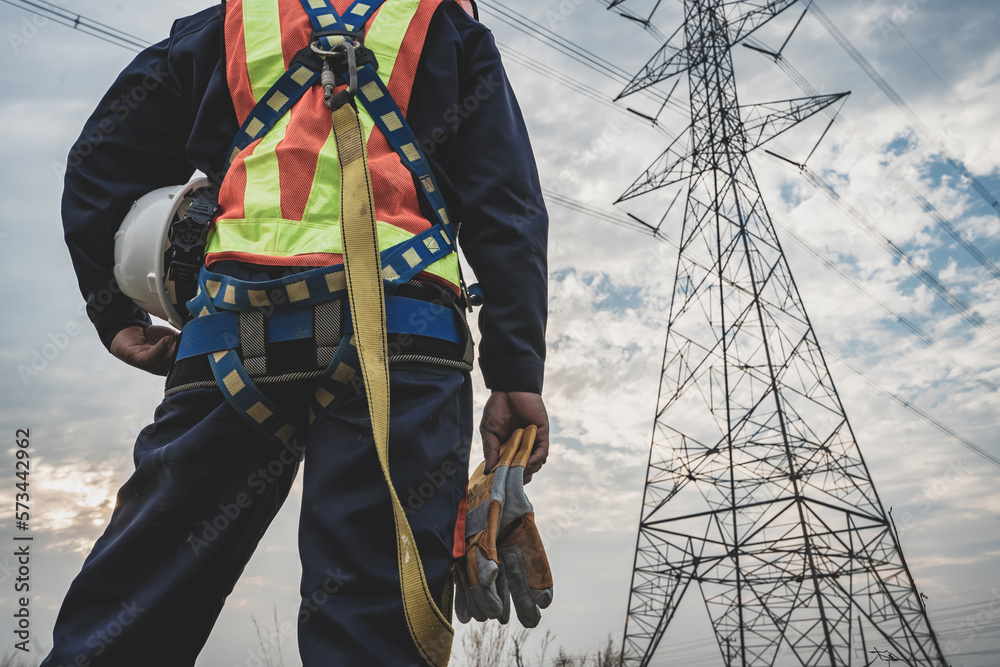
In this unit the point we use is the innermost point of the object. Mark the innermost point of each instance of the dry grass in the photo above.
(269, 642)
(494, 645)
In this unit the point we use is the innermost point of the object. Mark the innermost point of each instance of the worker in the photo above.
(207, 481)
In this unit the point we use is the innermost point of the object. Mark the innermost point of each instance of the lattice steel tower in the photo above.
(755, 489)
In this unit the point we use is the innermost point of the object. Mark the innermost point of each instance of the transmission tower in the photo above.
(756, 489)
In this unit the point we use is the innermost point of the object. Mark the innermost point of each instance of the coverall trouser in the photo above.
(205, 488)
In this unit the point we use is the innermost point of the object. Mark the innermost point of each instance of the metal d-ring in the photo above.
(328, 78)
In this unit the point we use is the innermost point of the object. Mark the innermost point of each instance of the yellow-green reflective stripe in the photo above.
(387, 32)
(265, 65)
(262, 32)
(385, 36)
(262, 199)
(286, 238)
(324, 195)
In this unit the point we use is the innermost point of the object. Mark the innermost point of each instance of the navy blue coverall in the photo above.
(206, 484)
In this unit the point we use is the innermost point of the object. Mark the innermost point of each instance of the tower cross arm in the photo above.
(669, 60)
(672, 166)
(764, 122)
(751, 15)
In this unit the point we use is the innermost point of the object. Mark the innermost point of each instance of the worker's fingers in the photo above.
(539, 454)
(150, 348)
(495, 427)
(529, 408)
(491, 451)
(156, 333)
(153, 358)
(506, 411)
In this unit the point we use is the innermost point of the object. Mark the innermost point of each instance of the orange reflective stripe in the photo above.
(313, 259)
(295, 28)
(400, 84)
(233, 187)
(396, 200)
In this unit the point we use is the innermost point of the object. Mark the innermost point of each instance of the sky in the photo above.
(610, 291)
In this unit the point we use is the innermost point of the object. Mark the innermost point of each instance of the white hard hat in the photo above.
(141, 243)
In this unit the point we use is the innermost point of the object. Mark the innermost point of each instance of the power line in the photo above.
(908, 405)
(102, 31)
(544, 35)
(577, 86)
(581, 55)
(912, 327)
(587, 209)
(896, 99)
(957, 303)
(637, 224)
(884, 17)
(646, 24)
(886, 167)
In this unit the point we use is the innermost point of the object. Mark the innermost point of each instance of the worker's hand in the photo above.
(507, 411)
(150, 348)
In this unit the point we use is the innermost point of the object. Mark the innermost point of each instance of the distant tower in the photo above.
(756, 490)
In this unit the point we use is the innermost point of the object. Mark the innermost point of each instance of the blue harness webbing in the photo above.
(216, 334)
(217, 331)
(234, 382)
(390, 120)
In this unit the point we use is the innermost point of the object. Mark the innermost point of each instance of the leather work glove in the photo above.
(504, 553)
(481, 592)
(524, 564)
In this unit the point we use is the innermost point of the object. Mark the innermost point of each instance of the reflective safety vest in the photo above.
(279, 203)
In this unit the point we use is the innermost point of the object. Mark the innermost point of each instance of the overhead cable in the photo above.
(908, 405)
(884, 86)
(646, 24)
(581, 55)
(577, 86)
(57, 14)
(901, 181)
(957, 303)
(587, 209)
(903, 321)
(546, 36)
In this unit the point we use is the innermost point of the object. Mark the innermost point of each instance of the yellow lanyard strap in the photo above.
(431, 631)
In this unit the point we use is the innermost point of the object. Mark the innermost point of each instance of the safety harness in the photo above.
(342, 314)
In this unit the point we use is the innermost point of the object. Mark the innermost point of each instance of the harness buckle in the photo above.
(182, 271)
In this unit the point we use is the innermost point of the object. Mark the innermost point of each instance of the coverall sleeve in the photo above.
(480, 142)
(135, 141)
(505, 225)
